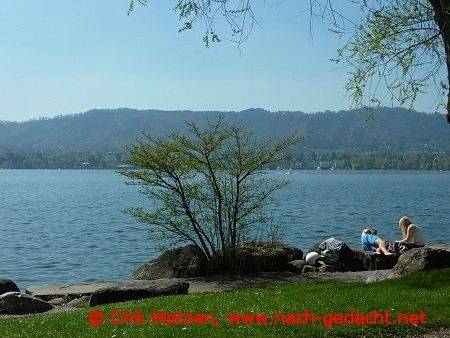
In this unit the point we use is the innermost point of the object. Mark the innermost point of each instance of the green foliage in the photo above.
(131, 5)
(108, 130)
(394, 53)
(208, 187)
(57, 159)
(238, 17)
(97, 137)
(426, 291)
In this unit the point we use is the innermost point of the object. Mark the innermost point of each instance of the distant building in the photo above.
(327, 165)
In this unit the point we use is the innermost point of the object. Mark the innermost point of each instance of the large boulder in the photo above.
(364, 260)
(422, 259)
(296, 266)
(14, 303)
(7, 285)
(137, 289)
(254, 257)
(188, 261)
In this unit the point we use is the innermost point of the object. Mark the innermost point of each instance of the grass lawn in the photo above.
(337, 310)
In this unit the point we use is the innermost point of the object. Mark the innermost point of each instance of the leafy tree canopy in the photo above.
(395, 50)
(207, 187)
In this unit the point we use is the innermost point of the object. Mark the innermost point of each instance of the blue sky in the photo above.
(64, 57)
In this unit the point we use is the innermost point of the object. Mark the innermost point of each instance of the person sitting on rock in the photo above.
(371, 242)
(412, 235)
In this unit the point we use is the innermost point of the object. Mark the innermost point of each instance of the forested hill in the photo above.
(394, 129)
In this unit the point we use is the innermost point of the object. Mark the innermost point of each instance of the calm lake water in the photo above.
(68, 226)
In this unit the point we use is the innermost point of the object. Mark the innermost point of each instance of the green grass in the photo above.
(428, 292)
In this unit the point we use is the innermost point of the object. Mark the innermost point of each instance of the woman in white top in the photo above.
(412, 235)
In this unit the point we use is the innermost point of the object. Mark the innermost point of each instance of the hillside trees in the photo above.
(395, 49)
(207, 187)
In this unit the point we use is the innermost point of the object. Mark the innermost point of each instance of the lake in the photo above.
(68, 226)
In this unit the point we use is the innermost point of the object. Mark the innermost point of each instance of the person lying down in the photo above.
(371, 242)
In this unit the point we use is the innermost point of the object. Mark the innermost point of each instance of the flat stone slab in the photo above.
(229, 283)
(66, 291)
(129, 289)
(138, 289)
(203, 284)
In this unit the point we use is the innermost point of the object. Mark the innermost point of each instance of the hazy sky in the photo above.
(64, 57)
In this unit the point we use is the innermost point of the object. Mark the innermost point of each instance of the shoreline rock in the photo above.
(7, 285)
(190, 261)
(15, 303)
(216, 283)
(68, 292)
(422, 259)
(137, 289)
(187, 261)
(427, 258)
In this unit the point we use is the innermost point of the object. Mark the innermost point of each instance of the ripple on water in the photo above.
(69, 226)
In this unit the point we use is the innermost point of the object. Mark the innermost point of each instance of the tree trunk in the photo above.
(442, 18)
